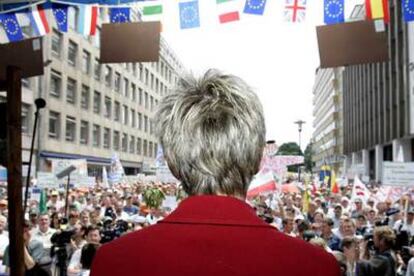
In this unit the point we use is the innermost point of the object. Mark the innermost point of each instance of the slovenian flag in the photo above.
(88, 18)
(228, 10)
(38, 20)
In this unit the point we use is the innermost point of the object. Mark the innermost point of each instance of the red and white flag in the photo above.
(360, 191)
(38, 20)
(228, 10)
(262, 183)
(295, 10)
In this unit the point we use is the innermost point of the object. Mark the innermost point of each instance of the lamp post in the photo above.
(300, 123)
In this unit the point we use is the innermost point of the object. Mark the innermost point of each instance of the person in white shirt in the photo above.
(408, 226)
(4, 241)
(43, 233)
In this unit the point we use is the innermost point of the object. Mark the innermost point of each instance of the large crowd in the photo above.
(367, 238)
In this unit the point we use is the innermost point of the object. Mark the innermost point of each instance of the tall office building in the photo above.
(379, 104)
(327, 140)
(94, 110)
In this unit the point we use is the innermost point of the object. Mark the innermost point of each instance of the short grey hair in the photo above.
(212, 132)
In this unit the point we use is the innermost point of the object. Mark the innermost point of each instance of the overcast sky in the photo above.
(276, 58)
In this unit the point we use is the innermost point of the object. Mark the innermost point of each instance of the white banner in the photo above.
(398, 173)
(47, 180)
(410, 33)
(59, 165)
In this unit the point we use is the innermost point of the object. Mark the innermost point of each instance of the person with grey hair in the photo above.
(212, 132)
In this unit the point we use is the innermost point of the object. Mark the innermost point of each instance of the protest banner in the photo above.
(398, 173)
(47, 180)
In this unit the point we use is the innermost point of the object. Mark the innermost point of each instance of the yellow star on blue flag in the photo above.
(256, 7)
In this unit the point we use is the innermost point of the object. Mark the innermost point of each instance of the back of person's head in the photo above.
(385, 235)
(348, 242)
(212, 132)
(87, 255)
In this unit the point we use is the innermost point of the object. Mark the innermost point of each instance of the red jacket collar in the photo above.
(218, 210)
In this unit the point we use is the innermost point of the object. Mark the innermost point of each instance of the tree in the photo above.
(290, 148)
(309, 164)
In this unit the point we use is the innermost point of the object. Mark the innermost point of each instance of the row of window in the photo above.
(110, 80)
(125, 143)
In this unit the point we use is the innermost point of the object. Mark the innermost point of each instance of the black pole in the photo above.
(67, 196)
(40, 103)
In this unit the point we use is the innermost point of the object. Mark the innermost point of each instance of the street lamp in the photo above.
(299, 123)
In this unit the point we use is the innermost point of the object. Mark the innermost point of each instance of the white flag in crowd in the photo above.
(360, 191)
(262, 183)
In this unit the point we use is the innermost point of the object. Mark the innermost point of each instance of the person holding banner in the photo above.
(213, 134)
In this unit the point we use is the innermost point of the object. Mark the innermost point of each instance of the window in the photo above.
(141, 72)
(72, 53)
(145, 123)
(146, 100)
(97, 71)
(71, 91)
(134, 69)
(56, 43)
(108, 76)
(97, 102)
(117, 111)
(145, 148)
(126, 87)
(85, 97)
(108, 107)
(70, 129)
(146, 76)
(140, 96)
(54, 124)
(96, 135)
(132, 145)
(133, 118)
(124, 142)
(156, 86)
(150, 149)
(125, 115)
(117, 82)
(152, 81)
(155, 149)
(86, 62)
(139, 121)
(107, 138)
(84, 133)
(25, 118)
(152, 103)
(55, 84)
(139, 146)
(116, 140)
(133, 92)
(73, 14)
(150, 126)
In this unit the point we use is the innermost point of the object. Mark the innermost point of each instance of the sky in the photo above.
(276, 58)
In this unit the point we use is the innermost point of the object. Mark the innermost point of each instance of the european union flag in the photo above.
(189, 15)
(255, 7)
(408, 9)
(119, 15)
(60, 12)
(334, 11)
(11, 26)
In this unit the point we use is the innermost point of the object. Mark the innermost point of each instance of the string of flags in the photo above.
(228, 11)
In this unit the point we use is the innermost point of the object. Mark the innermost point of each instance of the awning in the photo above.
(89, 159)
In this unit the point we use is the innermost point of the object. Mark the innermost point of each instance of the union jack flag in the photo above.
(295, 10)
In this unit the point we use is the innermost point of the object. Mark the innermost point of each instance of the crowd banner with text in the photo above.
(47, 180)
(398, 173)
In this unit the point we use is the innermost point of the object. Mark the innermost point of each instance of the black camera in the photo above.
(369, 237)
(62, 238)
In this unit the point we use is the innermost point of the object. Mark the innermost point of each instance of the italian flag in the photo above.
(152, 12)
(262, 183)
(228, 10)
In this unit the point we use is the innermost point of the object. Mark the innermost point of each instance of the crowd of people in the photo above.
(367, 238)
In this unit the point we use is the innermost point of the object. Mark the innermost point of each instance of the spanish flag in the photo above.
(377, 9)
(334, 184)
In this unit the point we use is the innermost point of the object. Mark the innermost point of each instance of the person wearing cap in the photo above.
(213, 134)
(54, 201)
(406, 225)
(345, 204)
(358, 208)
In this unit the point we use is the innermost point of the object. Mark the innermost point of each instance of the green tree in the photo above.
(290, 148)
(309, 164)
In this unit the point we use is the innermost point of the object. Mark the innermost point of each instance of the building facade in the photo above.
(378, 105)
(95, 110)
(327, 140)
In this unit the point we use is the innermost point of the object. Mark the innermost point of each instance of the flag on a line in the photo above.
(377, 9)
(228, 10)
(262, 183)
(38, 20)
(88, 18)
(334, 11)
(408, 9)
(256, 7)
(11, 26)
(60, 12)
(189, 15)
(295, 10)
(119, 15)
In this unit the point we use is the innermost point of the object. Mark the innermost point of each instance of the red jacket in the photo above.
(212, 235)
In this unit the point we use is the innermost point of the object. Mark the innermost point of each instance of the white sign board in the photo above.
(398, 174)
(47, 180)
(59, 165)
